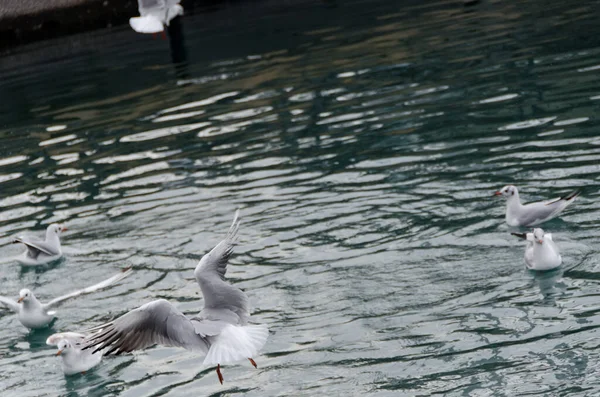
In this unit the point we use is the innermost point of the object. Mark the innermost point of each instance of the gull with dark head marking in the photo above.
(73, 359)
(40, 252)
(34, 314)
(541, 253)
(532, 214)
(221, 330)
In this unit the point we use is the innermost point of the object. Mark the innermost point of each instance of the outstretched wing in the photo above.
(11, 304)
(103, 284)
(222, 301)
(73, 337)
(36, 246)
(157, 322)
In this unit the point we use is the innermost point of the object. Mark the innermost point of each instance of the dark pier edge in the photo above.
(19, 27)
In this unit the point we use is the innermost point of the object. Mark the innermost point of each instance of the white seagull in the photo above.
(541, 253)
(73, 359)
(41, 252)
(154, 15)
(532, 214)
(221, 330)
(34, 314)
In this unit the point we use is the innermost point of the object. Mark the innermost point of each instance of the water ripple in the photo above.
(363, 152)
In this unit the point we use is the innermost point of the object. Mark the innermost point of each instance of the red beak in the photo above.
(540, 241)
(498, 194)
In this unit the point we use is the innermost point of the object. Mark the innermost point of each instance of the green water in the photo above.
(362, 142)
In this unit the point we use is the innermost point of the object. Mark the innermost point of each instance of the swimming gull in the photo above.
(73, 359)
(532, 214)
(541, 253)
(34, 314)
(41, 252)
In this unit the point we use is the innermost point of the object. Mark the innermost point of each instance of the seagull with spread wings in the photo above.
(74, 360)
(34, 314)
(221, 330)
(38, 251)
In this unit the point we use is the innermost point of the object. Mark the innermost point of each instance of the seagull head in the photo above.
(63, 347)
(538, 235)
(24, 295)
(507, 191)
(56, 228)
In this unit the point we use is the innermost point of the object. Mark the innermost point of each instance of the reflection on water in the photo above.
(362, 142)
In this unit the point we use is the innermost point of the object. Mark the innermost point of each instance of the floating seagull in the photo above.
(34, 314)
(154, 15)
(74, 360)
(540, 253)
(533, 213)
(41, 252)
(221, 330)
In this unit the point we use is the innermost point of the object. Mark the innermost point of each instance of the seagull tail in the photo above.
(147, 24)
(236, 343)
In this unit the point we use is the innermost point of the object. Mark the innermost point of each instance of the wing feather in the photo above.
(36, 246)
(156, 322)
(222, 301)
(11, 304)
(103, 284)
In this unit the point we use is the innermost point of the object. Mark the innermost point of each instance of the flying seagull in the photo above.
(221, 330)
(155, 15)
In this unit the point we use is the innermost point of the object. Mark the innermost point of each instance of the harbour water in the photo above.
(362, 143)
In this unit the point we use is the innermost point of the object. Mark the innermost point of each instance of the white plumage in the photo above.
(155, 15)
(221, 330)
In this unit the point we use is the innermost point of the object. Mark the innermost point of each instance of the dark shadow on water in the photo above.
(37, 337)
(178, 50)
(547, 281)
(41, 268)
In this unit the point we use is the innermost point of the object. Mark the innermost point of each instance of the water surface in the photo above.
(362, 142)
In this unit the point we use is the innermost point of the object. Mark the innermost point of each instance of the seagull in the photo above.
(41, 252)
(74, 360)
(34, 314)
(532, 214)
(221, 330)
(541, 253)
(154, 15)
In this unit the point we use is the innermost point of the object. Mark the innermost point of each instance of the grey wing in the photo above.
(215, 262)
(73, 337)
(222, 301)
(157, 322)
(535, 213)
(36, 246)
(11, 304)
(529, 259)
(103, 284)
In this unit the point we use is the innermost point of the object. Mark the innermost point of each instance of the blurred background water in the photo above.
(362, 142)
